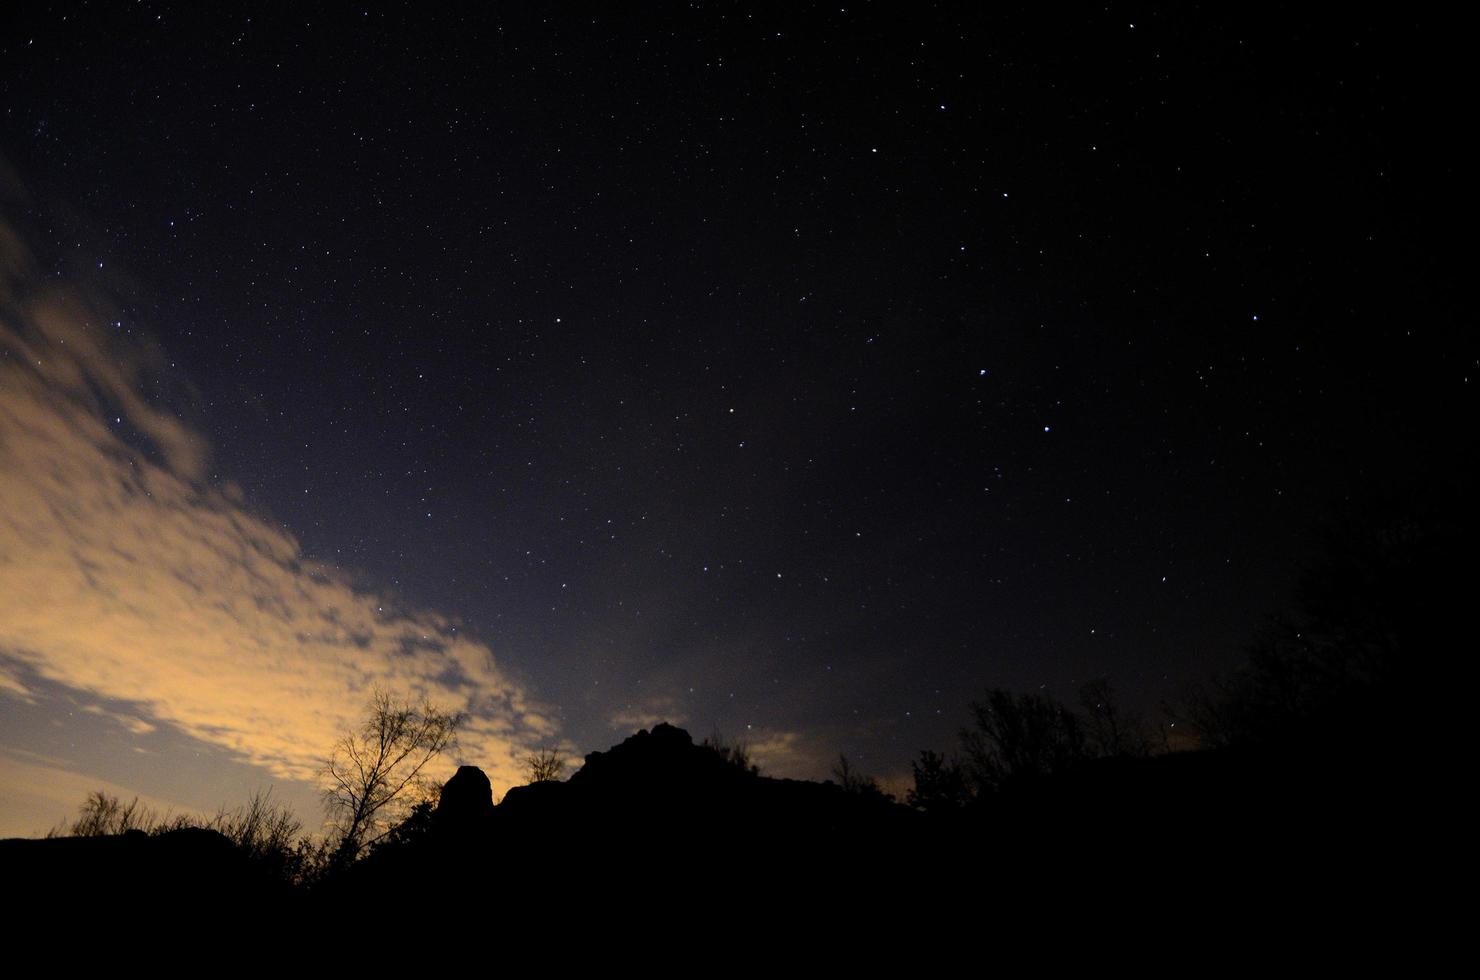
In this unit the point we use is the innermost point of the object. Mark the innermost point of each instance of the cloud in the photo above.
(126, 573)
(785, 753)
(11, 684)
(135, 725)
(631, 717)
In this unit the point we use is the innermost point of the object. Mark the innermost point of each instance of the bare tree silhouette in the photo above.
(544, 766)
(1110, 730)
(371, 773)
(1021, 737)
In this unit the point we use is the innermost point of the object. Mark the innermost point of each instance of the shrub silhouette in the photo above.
(735, 753)
(102, 815)
(266, 833)
(852, 781)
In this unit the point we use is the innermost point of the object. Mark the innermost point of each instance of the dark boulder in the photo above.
(466, 801)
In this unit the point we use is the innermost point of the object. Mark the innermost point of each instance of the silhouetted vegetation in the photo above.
(940, 784)
(371, 770)
(736, 753)
(267, 834)
(856, 783)
(1373, 612)
(414, 828)
(1020, 737)
(544, 765)
(101, 815)
(1109, 730)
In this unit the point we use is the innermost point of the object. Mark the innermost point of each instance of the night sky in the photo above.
(791, 372)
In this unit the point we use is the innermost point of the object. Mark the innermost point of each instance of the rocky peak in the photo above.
(467, 799)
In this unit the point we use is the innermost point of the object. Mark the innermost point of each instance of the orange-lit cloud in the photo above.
(13, 685)
(125, 572)
(784, 753)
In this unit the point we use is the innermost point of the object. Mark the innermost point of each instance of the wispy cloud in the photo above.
(131, 723)
(127, 573)
(787, 754)
(631, 717)
(12, 685)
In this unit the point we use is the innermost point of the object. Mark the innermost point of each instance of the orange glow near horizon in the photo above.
(130, 573)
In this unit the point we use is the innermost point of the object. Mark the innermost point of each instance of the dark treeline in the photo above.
(1352, 675)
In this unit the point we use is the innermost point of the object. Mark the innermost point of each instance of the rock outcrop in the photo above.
(466, 801)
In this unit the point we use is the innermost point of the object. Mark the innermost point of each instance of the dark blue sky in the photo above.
(796, 372)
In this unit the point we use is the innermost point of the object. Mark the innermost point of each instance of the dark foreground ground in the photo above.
(660, 843)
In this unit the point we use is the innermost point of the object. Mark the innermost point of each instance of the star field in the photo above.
(795, 373)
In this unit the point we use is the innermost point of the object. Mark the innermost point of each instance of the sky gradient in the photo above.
(789, 372)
